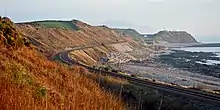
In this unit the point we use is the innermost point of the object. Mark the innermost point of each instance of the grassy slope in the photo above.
(30, 81)
(59, 24)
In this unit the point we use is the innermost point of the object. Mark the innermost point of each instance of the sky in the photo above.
(201, 18)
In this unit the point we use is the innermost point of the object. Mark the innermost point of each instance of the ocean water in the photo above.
(201, 49)
(208, 39)
(215, 50)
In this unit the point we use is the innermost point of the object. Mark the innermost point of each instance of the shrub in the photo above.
(9, 36)
(41, 92)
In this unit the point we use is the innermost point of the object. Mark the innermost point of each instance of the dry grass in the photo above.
(29, 81)
(108, 80)
(115, 80)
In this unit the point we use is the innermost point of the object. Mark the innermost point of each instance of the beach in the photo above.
(171, 72)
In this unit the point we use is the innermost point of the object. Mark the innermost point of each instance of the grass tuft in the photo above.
(41, 92)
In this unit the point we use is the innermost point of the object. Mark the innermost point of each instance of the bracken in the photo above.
(30, 81)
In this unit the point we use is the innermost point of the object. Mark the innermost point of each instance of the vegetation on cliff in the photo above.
(9, 36)
(59, 24)
(54, 36)
(30, 81)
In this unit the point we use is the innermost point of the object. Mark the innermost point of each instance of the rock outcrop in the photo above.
(174, 37)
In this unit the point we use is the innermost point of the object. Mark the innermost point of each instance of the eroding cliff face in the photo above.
(174, 37)
(52, 37)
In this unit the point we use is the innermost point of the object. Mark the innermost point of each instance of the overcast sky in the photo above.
(201, 18)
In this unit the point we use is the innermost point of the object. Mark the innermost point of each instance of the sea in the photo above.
(215, 50)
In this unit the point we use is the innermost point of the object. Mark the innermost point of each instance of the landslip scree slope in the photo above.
(54, 36)
(56, 39)
(30, 81)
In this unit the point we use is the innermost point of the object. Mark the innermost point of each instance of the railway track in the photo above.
(175, 90)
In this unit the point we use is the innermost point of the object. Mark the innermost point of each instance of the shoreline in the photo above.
(154, 70)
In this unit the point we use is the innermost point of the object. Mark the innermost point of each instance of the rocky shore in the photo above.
(192, 61)
(179, 68)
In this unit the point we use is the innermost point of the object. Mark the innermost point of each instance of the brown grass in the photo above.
(115, 80)
(29, 81)
(109, 79)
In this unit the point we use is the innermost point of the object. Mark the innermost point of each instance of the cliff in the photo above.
(174, 37)
(54, 36)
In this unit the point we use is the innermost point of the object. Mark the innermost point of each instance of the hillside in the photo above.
(174, 37)
(131, 32)
(29, 81)
(52, 37)
(55, 36)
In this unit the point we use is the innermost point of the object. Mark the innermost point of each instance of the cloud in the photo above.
(199, 17)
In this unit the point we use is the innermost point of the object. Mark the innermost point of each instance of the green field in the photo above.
(59, 24)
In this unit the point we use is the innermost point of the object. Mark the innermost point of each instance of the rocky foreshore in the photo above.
(192, 61)
(179, 68)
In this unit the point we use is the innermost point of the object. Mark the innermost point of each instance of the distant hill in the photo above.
(173, 37)
(130, 32)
